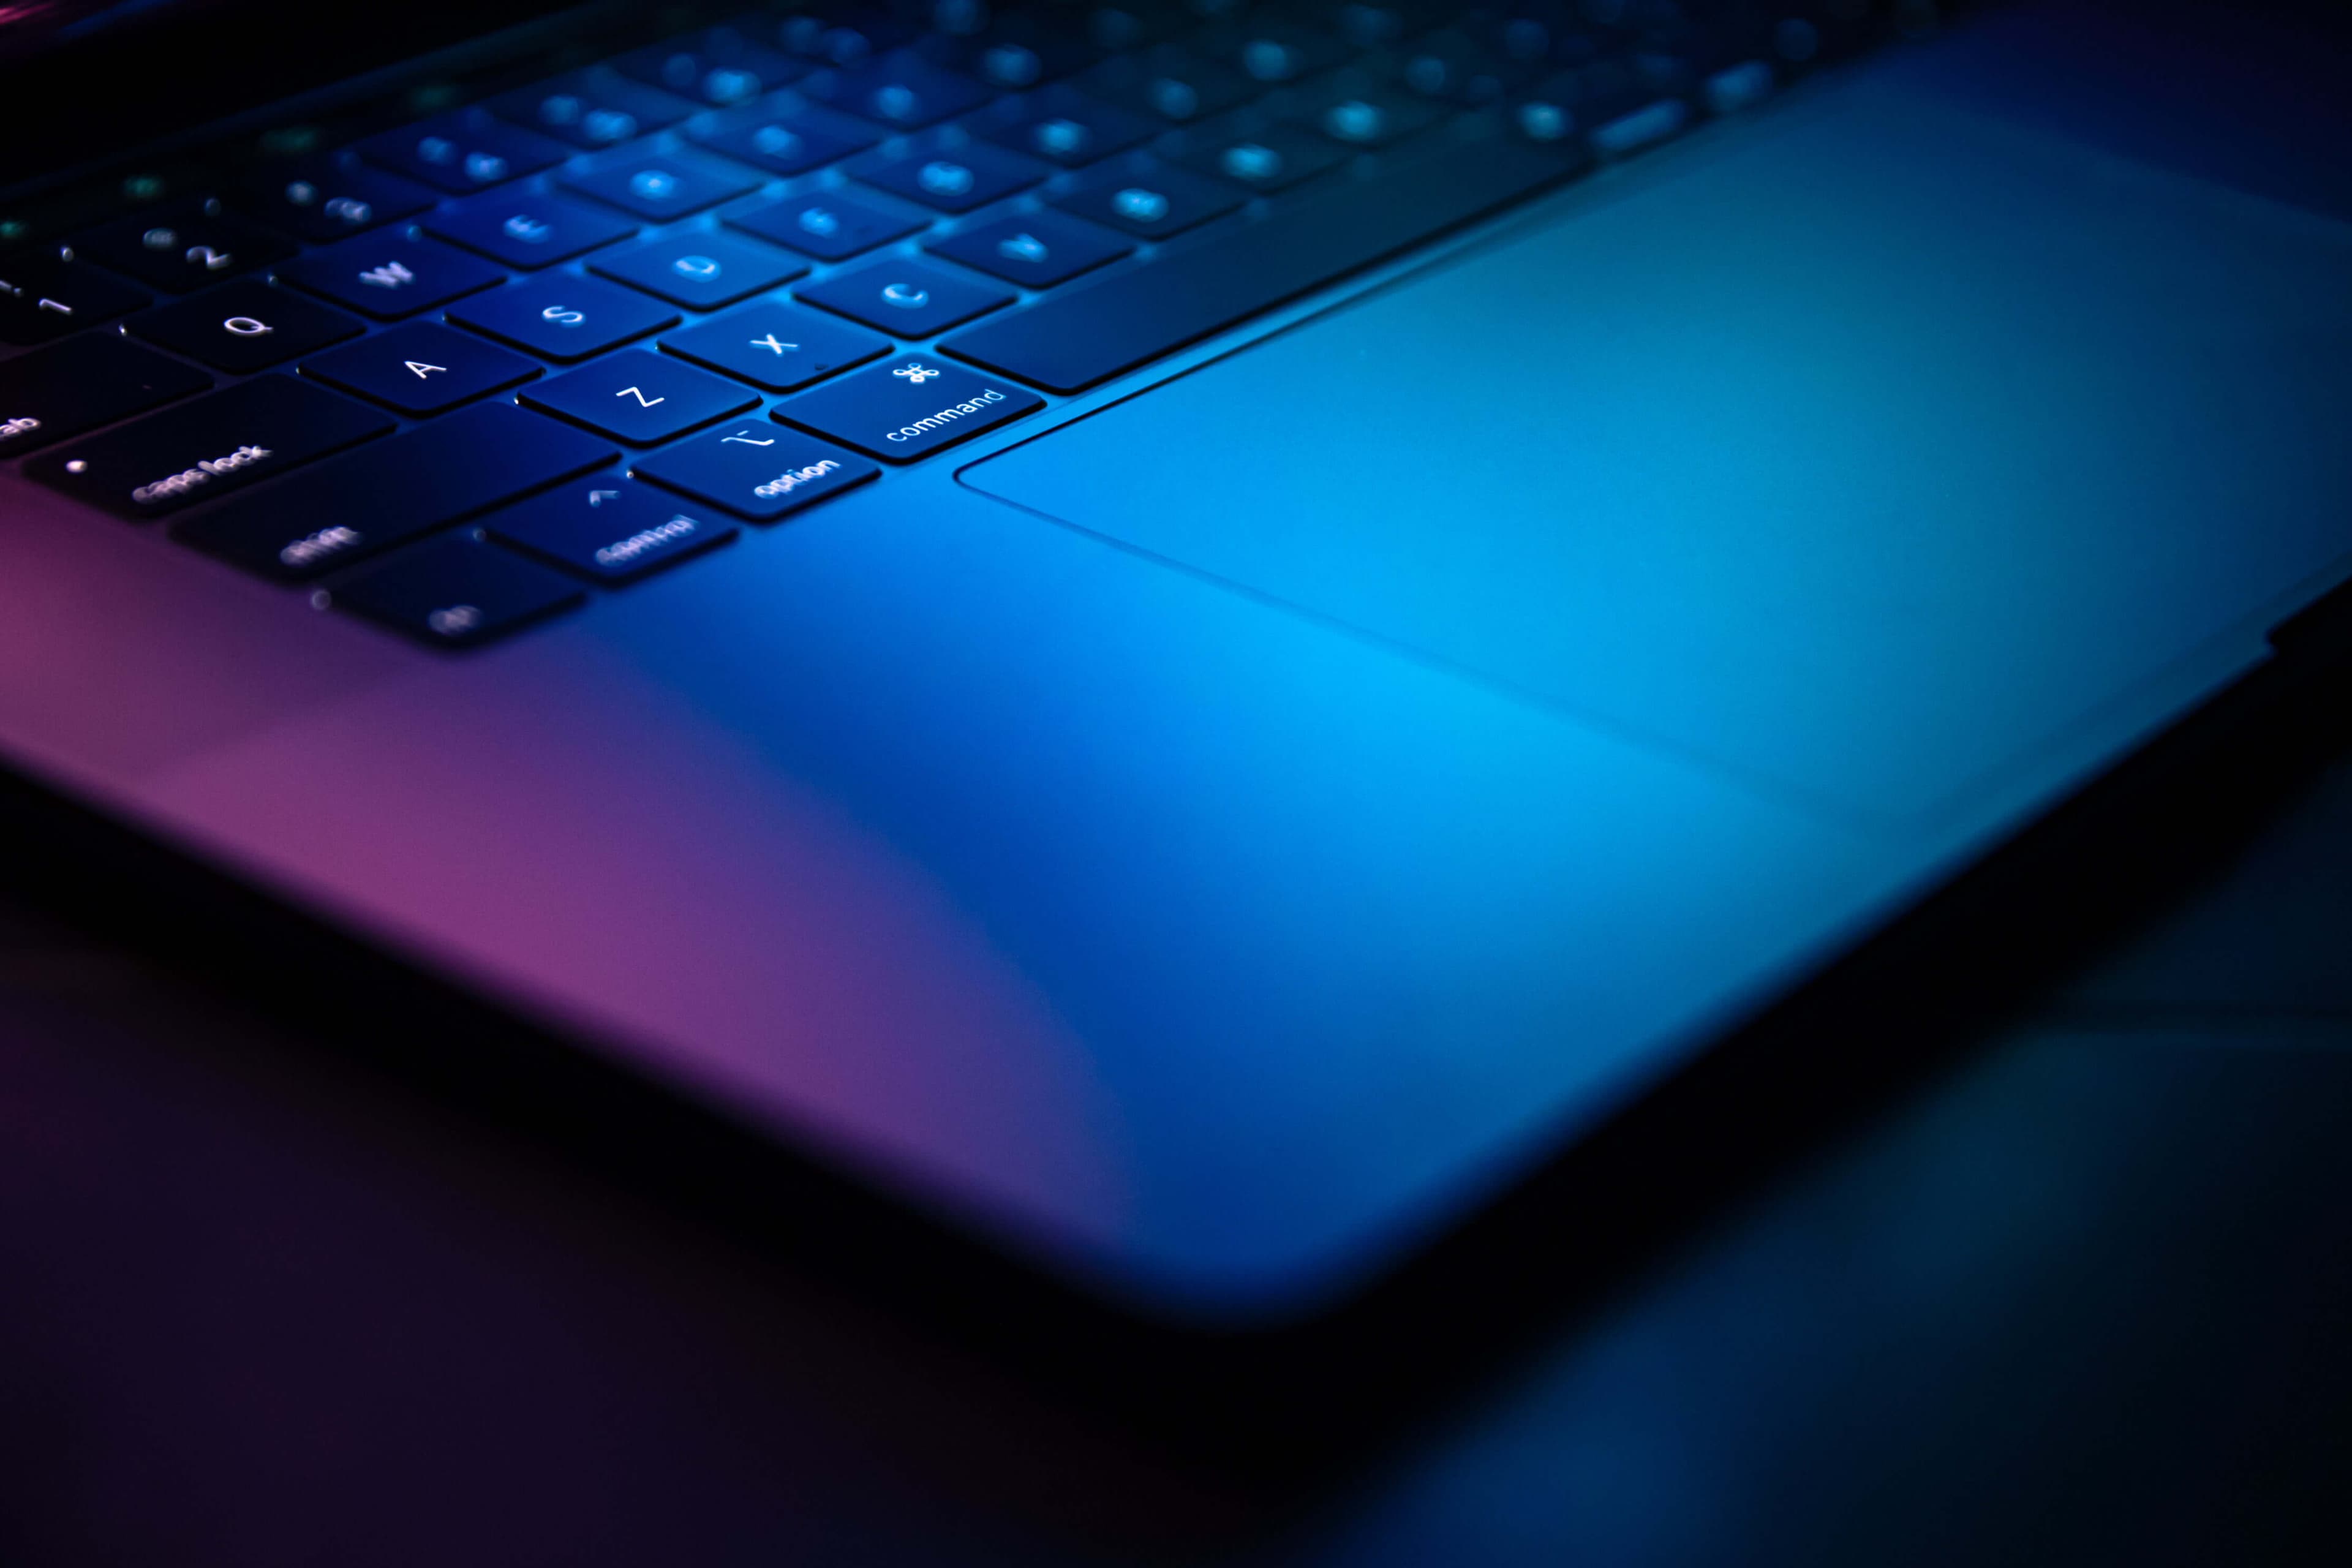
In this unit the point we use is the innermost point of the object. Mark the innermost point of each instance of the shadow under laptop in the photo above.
(451, 1269)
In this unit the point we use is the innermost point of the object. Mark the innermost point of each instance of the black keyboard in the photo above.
(464, 372)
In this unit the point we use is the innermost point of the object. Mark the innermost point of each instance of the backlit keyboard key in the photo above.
(421, 368)
(207, 448)
(700, 271)
(393, 490)
(658, 188)
(721, 67)
(463, 151)
(524, 229)
(455, 592)
(246, 326)
(85, 381)
(607, 529)
(1036, 251)
(183, 246)
(1273, 159)
(909, 408)
(756, 469)
(901, 90)
(1170, 83)
(42, 298)
(389, 276)
(324, 199)
(1072, 130)
(557, 316)
(831, 225)
(639, 397)
(776, 347)
(952, 179)
(590, 108)
(790, 143)
(1152, 203)
(906, 298)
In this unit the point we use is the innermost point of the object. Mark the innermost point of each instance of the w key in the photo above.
(207, 448)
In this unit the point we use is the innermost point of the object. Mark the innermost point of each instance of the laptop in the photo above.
(1188, 638)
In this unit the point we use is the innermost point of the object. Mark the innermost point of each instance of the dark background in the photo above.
(2079, 1292)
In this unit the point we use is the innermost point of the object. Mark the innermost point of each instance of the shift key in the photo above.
(370, 499)
(208, 448)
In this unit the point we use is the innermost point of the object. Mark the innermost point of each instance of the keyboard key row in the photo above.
(1074, 340)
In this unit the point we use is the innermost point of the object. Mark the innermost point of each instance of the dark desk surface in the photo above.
(2083, 1298)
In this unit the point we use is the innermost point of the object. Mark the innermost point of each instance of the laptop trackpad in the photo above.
(1858, 454)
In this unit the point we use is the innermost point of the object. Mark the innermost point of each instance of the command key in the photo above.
(903, 409)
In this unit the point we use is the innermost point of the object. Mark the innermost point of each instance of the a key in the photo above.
(607, 529)
(207, 448)
(1071, 130)
(590, 108)
(700, 271)
(1152, 203)
(523, 230)
(831, 225)
(783, 143)
(183, 247)
(776, 347)
(952, 179)
(245, 326)
(721, 68)
(559, 317)
(394, 490)
(462, 151)
(324, 199)
(44, 297)
(640, 397)
(906, 298)
(756, 469)
(389, 276)
(421, 368)
(1097, 330)
(455, 592)
(76, 386)
(658, 188)
(908, 409)
(1037, 251)
(901, 90)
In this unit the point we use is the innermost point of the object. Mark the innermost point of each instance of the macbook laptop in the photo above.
(1187, 637)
